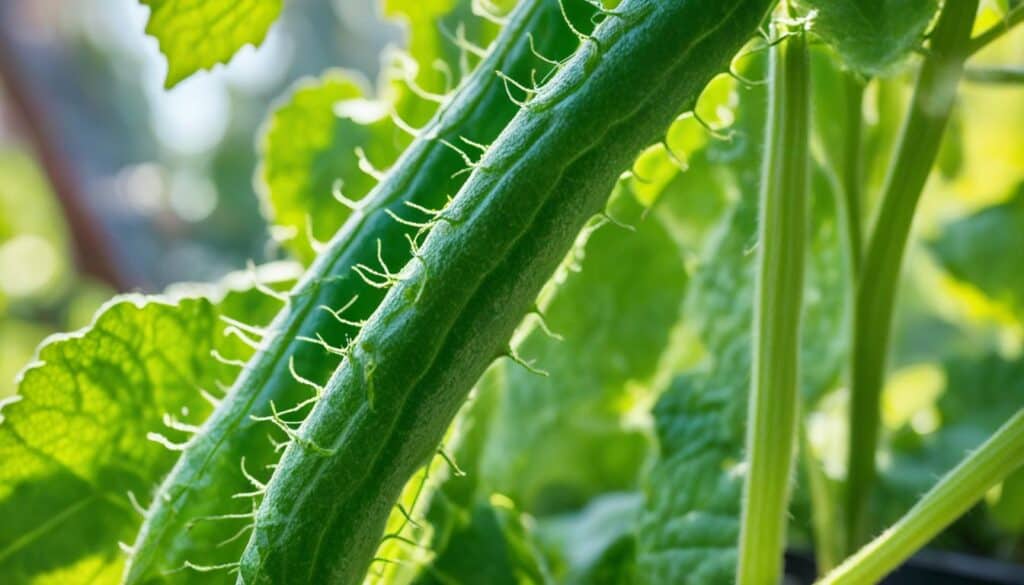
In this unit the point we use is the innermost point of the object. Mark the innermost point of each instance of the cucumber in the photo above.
(209, 471)
(455, 306)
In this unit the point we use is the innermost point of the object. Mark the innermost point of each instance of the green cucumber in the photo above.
(457, 303)
(209, 470)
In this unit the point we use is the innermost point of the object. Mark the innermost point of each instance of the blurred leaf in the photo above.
(871, 35)
(615, 315)
(309, 148)
(76, 439)
(595, 545)
(34, 260)
(690, 523)
(884, 101)
(979, 395)
(493, 546)
(1008, 509)
(978, 249)
(198, 34)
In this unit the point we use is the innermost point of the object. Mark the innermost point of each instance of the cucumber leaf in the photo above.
(88, 423)
(309, 142)
(690, 523)
(198, 34)
(988, 234)
(872, 36)
(308, 150)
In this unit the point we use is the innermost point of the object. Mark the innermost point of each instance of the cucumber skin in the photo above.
(423, 175)
(552, 168)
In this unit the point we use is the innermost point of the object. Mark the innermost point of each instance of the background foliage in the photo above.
(568, 477)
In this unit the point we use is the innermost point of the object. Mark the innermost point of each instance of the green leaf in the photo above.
(198, 34)
(308, 150)
(974, 250)
(690, 522)
(82, 432)
(690, 525)
(615, 316)
(872, 36)
(492, 545)
(309, 141)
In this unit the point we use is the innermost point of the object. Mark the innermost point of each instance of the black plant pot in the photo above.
(925, 568)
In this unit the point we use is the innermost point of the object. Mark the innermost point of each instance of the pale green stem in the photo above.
(772, 430)
(933, 98)
(1006, 75)
(954, 495)
(1013, 17)
(825, 516)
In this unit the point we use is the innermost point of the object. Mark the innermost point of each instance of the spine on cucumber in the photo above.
(425, 175)
(479, 271)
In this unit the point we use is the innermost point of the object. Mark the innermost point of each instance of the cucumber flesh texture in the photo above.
(412, 365)
(422, 175)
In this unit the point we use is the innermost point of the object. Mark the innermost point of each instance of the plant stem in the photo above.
(1007, 75)
(957, 492)
(851, 170)
(90, 245)
(825, 513)
(916, 150)
(772, 430)
(1013, 17)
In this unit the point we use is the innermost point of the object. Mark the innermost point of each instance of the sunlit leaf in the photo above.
(309, 157)
(198, 34)
(974, 249)
(84, 433)
(871, 35)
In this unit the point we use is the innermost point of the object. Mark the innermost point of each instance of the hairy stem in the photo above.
(1014, 17)
(772, 429)
(918, 145)
(426, 172)
(414, 362)
(957, 492)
